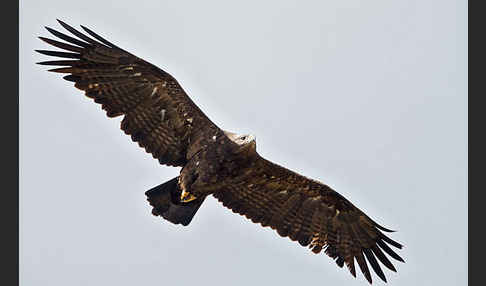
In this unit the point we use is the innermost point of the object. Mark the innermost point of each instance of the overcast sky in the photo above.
(369, 97)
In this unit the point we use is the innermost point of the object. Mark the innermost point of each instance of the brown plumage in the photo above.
(162, 119)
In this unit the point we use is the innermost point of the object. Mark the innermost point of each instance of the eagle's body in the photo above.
(159, 115)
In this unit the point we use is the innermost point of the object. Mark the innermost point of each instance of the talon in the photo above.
(187, 197)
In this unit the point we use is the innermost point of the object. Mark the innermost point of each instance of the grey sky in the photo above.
(369, 97)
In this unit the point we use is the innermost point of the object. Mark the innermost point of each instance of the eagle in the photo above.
(162, 119)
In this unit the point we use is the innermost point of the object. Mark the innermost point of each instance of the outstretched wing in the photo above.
(158, 114)
(311, 213)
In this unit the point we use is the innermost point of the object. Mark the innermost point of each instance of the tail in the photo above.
(165, 199)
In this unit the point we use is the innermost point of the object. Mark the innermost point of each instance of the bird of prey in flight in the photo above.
(163, 120)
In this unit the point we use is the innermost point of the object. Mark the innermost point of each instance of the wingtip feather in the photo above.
(374, 264)
(98, 37)
(61, 22)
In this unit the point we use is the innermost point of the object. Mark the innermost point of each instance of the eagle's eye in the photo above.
(243, 138)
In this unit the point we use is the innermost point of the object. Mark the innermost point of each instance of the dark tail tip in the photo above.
(165, 201)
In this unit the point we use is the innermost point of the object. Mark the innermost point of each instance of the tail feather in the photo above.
(165, 200)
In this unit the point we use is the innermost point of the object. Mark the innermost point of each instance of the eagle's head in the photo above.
(245, 141)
